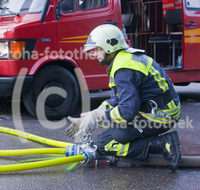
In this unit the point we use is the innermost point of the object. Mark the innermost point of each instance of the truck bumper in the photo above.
(7, 84)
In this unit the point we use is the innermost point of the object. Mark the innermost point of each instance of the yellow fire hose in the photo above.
(39, 164)
(23, 152)
(35, 137)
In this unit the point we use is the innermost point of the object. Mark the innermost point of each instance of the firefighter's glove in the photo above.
(74, 127)
(90, 120)
(86, 123)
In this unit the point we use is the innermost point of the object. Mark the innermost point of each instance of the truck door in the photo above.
(191, 24)
(78, 19)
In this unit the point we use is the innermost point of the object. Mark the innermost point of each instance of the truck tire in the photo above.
(56, 107)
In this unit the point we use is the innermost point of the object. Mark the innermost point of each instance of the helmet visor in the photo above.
(89, 44)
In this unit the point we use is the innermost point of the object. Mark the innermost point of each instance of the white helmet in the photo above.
(107, 36)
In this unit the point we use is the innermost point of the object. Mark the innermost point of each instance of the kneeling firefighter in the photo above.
(142, 105)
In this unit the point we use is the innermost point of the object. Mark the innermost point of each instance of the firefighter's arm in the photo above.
(128, 97)
(113, 101)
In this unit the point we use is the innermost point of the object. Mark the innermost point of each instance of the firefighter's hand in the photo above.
(90, 120)
(74, 127)
(88, 123)
(84, 124)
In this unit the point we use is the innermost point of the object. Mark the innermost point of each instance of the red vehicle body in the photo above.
(47, 37)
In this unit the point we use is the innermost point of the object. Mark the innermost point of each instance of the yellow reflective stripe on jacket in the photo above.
(161, 81)
(177, 116)
(121, 149)
(150, 117)
(111, 82)
(114, 114)
(130, 61)
(174, 112)
(171, 104)
(109, 146)
(106, 104)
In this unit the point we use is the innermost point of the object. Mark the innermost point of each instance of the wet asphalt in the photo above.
(104, 176)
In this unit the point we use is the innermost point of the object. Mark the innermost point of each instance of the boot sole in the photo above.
(175, 166)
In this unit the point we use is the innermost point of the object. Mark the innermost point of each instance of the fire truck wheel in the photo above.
(56, 107)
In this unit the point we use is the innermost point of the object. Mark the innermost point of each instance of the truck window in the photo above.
(22, 6)
(68, 6)
(92, 4)
(192, 4)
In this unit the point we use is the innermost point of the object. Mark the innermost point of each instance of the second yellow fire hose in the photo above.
(23, 152)
(39, 164)
(35, 137)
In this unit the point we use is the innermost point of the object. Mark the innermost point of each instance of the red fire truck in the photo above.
(47, 36)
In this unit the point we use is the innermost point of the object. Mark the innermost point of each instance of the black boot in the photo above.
(168, 146)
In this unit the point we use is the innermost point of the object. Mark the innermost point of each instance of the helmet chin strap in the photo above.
(108, 58)
(105, 61)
